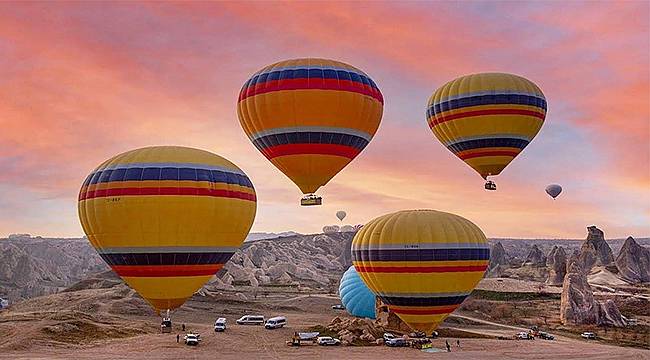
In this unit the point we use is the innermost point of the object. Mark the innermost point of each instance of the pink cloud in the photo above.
(82, 82)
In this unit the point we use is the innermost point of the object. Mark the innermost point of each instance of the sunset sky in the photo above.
(80, 83)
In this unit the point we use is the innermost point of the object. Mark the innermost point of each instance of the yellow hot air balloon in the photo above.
(166, 218)
(310, 118)
(487, 119)
(421, 263)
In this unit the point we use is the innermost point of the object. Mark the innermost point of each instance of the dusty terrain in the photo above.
(114, 323)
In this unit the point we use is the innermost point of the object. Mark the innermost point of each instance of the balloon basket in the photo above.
(311, 200)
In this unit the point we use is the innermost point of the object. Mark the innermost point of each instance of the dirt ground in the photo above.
(44, 337)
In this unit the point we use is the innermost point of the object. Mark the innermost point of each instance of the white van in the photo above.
(276, 322)
(220, 325)
(251, 320)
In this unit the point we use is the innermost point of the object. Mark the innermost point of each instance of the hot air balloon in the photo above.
(310, 118)
(166, 219)
(487, 119)
(554, 190)
(330, 229)
(347, 228)
(355, 295)
(341, 214)
(421, 263)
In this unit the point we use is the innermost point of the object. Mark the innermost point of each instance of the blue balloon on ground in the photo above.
(355, 296)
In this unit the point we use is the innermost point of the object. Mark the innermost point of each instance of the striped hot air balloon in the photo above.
(310, 117)
(421, 263)
(166, 218)
(487, 119)
(355, 295)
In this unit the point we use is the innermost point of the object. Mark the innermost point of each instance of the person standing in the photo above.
(448, 346)
(178, 338)
(458, 343)
(183, 326)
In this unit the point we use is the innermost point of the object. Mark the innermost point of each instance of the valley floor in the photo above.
(254, 342)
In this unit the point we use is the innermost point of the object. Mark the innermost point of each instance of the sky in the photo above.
(82, 82)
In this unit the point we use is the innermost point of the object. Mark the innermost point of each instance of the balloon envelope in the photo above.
(166, 218)
(421, 263)
(487, 119)
(330, 229)
(341, 214)
(554, 190)
(347, 228)
(310, 117)
(355, 295)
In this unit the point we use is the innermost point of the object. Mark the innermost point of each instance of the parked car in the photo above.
(338, 307)
(389, 336)
(588, 335)
(397, 342)
(251, 320)
(220, 325)
(546, 336)
(524, 336)
(276, 322)
(434, 334)
(192, 339)
(327, 340)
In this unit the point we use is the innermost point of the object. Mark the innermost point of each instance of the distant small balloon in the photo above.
(341, 214)
(554, 190)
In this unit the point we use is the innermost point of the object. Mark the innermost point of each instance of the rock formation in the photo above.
(578, 306)
(572, 258)
(556, 262)
(609, 315)
(498, 260)
(535, 257)
(316, 261)
(577, 303)
(356, 331)
(633, 262)
(32, 267)
(595, 251)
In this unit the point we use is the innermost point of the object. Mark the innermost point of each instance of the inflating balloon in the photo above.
(553, 190)
(347, 228)
(341, 214)
(421, 263)
(310, 118)
(355, 295)
(487, 119)
(166, 218)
